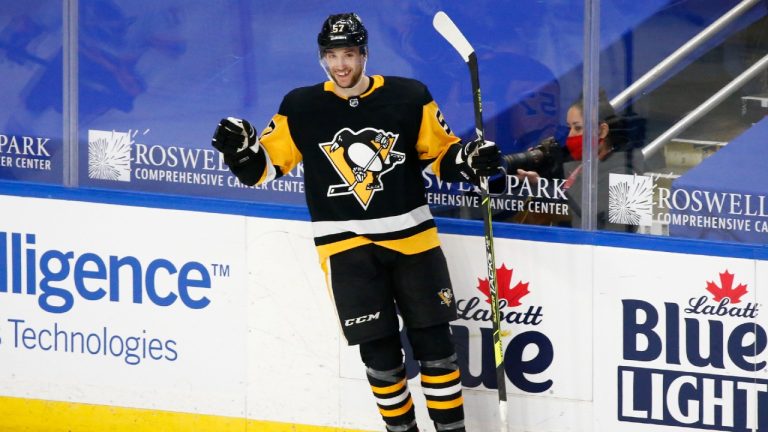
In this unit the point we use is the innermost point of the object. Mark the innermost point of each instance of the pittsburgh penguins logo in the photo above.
(361, 158)
(446, 296)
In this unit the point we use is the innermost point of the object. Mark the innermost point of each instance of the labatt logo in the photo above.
(529, 374)
(701, 361)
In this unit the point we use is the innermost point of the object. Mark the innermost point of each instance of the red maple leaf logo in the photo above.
(727, 289)
(503, 281)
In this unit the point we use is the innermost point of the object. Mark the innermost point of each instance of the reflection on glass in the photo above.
(30, 116)
(112, 45)
(701, 178)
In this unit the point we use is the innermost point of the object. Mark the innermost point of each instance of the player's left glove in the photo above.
(233, 136)
(482, 158)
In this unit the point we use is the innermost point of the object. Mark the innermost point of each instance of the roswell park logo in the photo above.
(116, 156)
(695, 366)
(123, 157)
(632, 200)
(109, 155)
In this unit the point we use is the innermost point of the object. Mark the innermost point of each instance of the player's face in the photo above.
(344, 65)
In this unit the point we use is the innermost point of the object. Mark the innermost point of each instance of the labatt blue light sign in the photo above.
(702, 357)
(528, 373)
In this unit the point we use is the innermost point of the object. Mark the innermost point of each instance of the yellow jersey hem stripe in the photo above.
(326, 251)
(414, 244)
(417, 243)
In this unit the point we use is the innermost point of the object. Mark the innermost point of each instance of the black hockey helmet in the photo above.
(342, 30)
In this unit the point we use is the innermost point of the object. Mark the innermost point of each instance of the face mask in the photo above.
(574, 144)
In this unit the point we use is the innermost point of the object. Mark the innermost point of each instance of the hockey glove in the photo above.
(234, 135)
(482, 157)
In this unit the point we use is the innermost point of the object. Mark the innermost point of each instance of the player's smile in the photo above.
(344, 65)
(342, 75)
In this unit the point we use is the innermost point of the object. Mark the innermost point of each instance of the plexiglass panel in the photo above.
(679, 150)
(153, 85)
(31, 122)
(695, 112)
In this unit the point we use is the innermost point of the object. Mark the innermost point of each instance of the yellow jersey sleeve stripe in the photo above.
(276, 139)
(440, 379)
(434, 136)
(444, 405)
(398, 411)
(389, 389)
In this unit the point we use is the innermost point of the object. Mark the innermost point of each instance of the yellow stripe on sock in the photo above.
(444, 405)
(389, 389)
(440, 379)
(397, 411)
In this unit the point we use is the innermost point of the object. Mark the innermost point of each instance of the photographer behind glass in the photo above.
(551, 161)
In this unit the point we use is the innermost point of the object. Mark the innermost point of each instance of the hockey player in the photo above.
(364, 140)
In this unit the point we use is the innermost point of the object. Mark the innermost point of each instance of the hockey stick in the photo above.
(445, 26)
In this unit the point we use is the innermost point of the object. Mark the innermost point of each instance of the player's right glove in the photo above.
(234, 135)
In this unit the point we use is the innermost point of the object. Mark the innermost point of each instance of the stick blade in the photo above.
(445, 26)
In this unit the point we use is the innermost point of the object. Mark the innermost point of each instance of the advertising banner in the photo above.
(724, 197)
(546, 331)
(293, 332)
(122, 306)
(680, 342)
(214, 314)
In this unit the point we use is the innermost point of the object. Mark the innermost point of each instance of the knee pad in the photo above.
(431, 343)
(382, 354)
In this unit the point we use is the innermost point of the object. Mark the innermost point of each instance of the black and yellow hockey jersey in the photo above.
(363, 158)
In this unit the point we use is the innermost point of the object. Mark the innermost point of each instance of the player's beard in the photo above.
(353, 82)
(355, 78)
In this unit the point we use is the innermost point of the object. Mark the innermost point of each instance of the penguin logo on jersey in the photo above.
(361, 158)
(446, 296)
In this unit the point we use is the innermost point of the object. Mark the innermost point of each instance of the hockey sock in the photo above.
(440, 376)
(441, 383)
(386, 373)
(390, 388)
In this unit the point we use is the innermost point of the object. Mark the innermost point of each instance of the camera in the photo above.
(532, 159)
